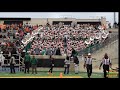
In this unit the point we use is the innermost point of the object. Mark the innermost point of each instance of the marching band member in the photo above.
(12, 64)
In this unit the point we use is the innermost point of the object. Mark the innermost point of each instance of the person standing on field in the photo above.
(106, 62)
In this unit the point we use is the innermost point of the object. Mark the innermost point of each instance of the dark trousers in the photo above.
(67, 69)
(105, 68)
(34, 68)
(12, 68)
(51, 69)
(89, 70)
(27, 66)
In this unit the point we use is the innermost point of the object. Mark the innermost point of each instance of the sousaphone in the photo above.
(98, 36)
(92, 38)
(104, 35)
(87, 42)
(106, 32)
(24, 41)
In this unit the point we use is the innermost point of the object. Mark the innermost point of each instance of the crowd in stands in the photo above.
(11, 36)
(51, 40)
(64, 38)
(16, 32)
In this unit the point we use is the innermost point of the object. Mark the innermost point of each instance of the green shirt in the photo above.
(27, 57)
(43, 52)
(76, 53)
(28, 46)
(33, 61)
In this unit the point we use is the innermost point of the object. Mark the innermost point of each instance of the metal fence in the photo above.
(6, 67)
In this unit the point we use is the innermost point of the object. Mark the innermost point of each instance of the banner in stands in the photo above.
(28, 38)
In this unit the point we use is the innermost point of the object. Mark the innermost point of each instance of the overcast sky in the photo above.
(80, 15)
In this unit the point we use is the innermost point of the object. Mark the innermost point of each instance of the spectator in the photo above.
(73, 52)
(76, 63)
(13, 52)
(23, 53)
(58, 51)
(12, 65)
(0, 36)
(0, 29)
(48, 52)
(34, 64)
(51, 64)
(67, 65)
(4, 36)
(2, 58)
(37, 50)
(27, 62)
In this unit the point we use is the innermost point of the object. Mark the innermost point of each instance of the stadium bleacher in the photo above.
(50, 38)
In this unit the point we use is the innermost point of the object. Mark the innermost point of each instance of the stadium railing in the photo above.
(6, 65)
(98, 46)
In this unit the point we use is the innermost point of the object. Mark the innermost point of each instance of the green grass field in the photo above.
(44, 74)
